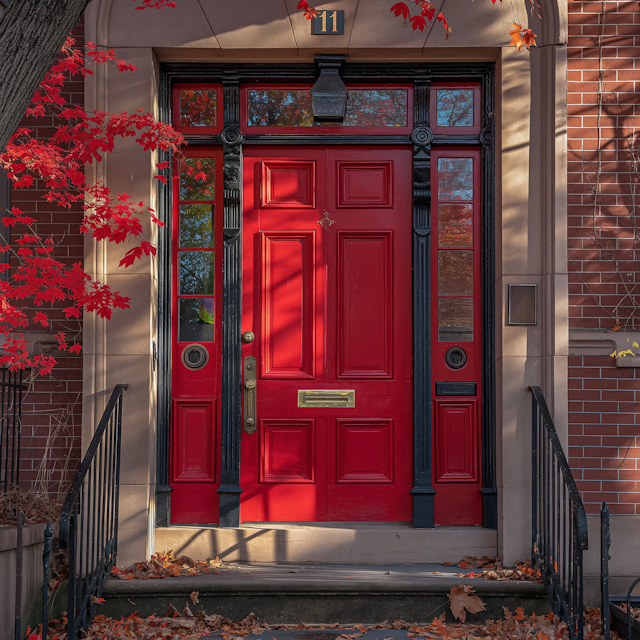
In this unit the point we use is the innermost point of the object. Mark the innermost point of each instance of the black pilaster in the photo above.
(163, 347)
(423, 491)
(489, 484)
(231, 305)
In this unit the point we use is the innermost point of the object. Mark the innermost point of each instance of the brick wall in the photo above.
(52, 405)
(604, 280)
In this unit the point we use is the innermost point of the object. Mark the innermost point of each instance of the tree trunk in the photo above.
(32, 33)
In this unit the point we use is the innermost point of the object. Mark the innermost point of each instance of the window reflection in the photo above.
(455, 178)
(198, 108)
(197, 179)
(196, 272)
(197, 320)
(455, 273)
(455, 225)
(196, 226)
(455, 319)
(292, 108)
(454, 107)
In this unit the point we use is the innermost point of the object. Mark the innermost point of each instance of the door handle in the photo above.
(249, 371)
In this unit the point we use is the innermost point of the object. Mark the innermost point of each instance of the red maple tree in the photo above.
(35, 277)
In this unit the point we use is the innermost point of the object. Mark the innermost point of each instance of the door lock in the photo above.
(249, 370)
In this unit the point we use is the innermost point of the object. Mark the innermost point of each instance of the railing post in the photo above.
(605, 543)
(46, 556)
(534, 478)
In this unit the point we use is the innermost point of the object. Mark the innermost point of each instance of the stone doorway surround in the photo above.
(530, 210)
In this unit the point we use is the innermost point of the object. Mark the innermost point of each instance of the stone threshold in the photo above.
(334, 542)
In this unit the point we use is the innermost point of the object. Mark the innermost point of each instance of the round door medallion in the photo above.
(195, 356)
(456, 358)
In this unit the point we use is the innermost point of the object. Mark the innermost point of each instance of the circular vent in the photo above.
(456, 358)
(195, 356)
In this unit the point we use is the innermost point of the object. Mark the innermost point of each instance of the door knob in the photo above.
(248, 336)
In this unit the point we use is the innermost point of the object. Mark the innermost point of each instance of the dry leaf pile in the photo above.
(493, 570)
(166, 565)
(635, 611)
(35, 508)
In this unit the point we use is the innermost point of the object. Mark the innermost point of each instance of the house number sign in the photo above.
(328, 23)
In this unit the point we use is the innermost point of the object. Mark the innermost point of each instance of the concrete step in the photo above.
(317, 593)
(329, 542)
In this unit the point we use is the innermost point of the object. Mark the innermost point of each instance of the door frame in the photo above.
(421, 139)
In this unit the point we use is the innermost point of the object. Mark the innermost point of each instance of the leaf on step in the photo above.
(461, 601)
(507, 613)
(186, 612)
(519, 614)
(194, 597)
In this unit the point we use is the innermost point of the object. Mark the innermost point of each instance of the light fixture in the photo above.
(329, 94)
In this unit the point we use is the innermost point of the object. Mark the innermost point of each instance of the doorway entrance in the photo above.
(355, 259)
(326, 280)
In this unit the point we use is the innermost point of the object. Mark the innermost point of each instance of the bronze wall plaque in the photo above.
(323, 398)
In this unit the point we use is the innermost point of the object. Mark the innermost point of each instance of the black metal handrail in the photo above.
(559, 521)
(89, 517)
(10, 426)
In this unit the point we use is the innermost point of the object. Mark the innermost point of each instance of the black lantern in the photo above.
(329, 94)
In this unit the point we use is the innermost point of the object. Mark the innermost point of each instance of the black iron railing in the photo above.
(10, 420)
(89, 518)
(559, 522)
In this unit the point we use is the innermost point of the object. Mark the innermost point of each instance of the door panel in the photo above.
(288, 301)
(365, 277)
(327, 272)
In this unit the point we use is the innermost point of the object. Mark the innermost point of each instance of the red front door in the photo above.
(327, 293)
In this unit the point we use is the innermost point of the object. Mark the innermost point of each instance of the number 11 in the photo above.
(334, 17)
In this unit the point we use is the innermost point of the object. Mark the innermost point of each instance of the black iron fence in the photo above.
(89, 518)
(559, 522)
(10, 417)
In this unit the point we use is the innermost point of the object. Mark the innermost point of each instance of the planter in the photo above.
(32, 543)
(620, 618)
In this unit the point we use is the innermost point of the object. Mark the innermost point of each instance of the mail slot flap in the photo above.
(345, 398)
(456, 389)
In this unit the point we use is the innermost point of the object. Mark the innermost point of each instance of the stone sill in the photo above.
(593, 342)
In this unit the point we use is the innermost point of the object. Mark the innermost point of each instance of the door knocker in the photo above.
(326, 221)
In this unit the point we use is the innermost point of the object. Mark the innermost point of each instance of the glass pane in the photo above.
(196, 226)
(198, 108)
(196, 320)
(455, 178)
(455, 273)
(197, 179)
(279, 108)
(292, 108)
(455, 319)
(376, 108)
(196, 272)
(454, 107)
(455, 225)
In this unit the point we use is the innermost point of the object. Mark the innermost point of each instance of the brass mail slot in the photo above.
(345, 398)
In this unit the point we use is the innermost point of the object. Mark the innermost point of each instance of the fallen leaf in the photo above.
(461, 601)
(194, 597)
(519, 614)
